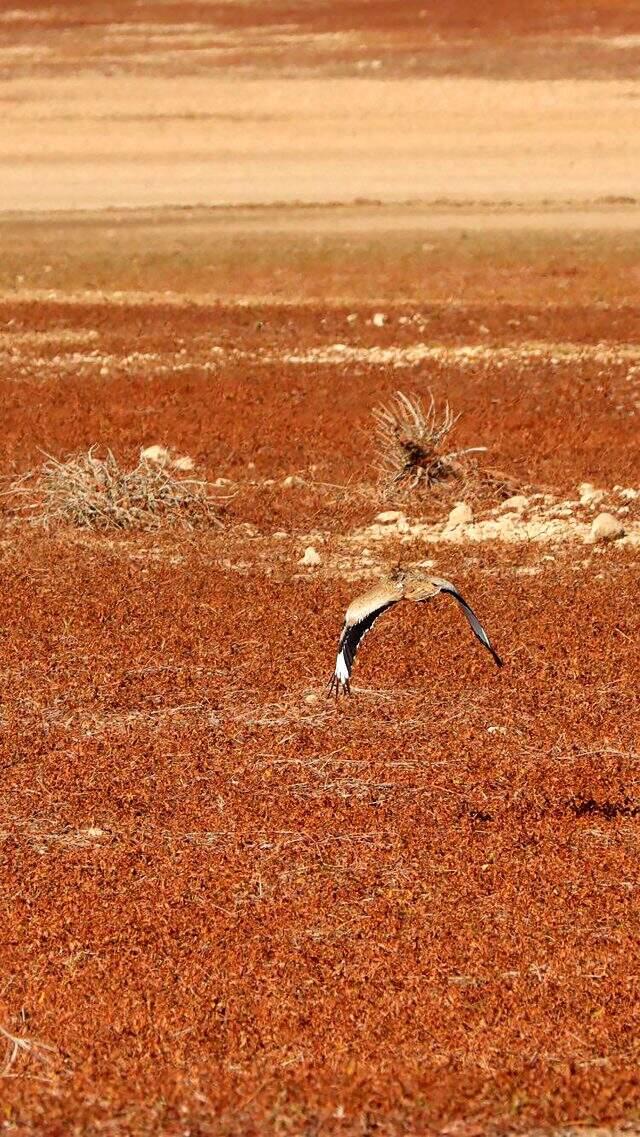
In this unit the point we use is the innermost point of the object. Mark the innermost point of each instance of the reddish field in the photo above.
(544, 39)
(231, 906)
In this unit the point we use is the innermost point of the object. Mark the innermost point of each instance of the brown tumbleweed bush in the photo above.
(93, 492)
(410, 444)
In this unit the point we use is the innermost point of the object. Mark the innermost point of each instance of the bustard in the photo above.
(362, 613)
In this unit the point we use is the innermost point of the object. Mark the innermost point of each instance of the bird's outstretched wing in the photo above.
(360, 618)
(478, 630)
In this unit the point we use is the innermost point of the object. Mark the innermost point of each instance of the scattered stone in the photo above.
(292, 480)
(311, 557)
(378, 319)
(390, 517)
(222, 482)
(158, 454)
(280, 535)
(461, 514)
(606, 527)
(589, 495)
(186, 464)
(518, 503)
(628, 494)
(310, 699)
(352, 317)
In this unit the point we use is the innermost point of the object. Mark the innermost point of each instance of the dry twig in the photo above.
(17, 1045)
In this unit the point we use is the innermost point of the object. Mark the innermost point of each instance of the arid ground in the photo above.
(232, 906)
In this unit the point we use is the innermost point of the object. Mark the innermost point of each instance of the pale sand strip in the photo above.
(74, 143)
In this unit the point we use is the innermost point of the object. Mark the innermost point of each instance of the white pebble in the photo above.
(461, 514)
(158, 454)
(185, 463)
(311, 557)
(518, 503)
(390, 517)
(589, 495)
(378, 319)
(606, 527)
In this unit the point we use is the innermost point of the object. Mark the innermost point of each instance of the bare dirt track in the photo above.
(233, 907)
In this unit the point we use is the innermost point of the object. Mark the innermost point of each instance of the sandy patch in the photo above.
(467, 139)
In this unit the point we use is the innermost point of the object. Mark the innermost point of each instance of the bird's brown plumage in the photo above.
(362, 613)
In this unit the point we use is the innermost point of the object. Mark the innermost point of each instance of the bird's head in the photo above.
(419, 585)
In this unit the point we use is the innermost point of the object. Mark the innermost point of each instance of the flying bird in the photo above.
(362, 613)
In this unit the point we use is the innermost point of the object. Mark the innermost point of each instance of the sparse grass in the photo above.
(92, 492)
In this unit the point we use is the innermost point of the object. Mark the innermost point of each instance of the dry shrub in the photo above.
(91, 492)
(410, 441)
(411, 453)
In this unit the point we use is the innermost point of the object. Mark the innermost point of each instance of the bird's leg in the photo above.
(334, 686)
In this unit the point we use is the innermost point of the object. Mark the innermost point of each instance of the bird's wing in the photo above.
(361, 615)
(478, 630)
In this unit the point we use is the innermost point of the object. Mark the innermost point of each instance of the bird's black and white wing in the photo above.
(360, 617)
(476, 626)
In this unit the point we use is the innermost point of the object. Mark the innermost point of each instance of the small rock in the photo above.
(390, 517)
(518, 503)
(352, 317)
(589, 495)
(222, 482)
(158, 454)
(606, 527)
(185, 463)
(311, 557)
(378, 319)
(280, 535)
(461, 514)
(629, 494)
(292, 480)
(310, 699)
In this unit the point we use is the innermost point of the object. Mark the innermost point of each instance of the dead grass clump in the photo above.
(97, 493)
(411, 445)
(17, 1045)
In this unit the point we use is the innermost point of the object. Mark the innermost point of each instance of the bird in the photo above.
(402, 584)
